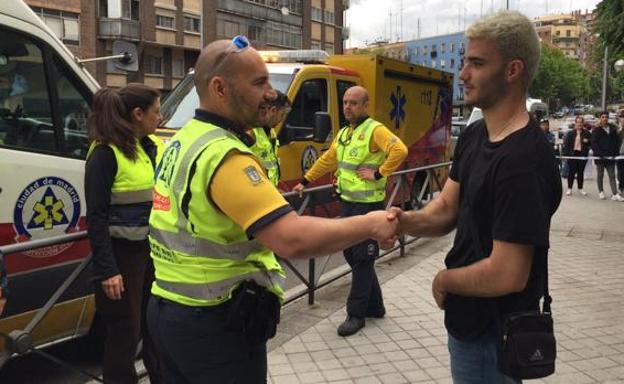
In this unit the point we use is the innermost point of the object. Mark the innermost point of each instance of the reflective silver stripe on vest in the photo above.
(129, 233)
(221, 289)
(131, 197)
(269, 164)
(185, 243)
(179, 182)
(355, 167)
(354, 195)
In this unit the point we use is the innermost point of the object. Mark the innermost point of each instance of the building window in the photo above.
(65, 25)
(558, 33)
(442, 64)
(152, 64)
(442, 47)
(130, 9)
(165, 21)
(417, 51)
(177, 67)
(254, 32)
(329, 48)
(434, 48)
(329, 17)
(568, 33)
(317, 14)
(452, 47)
(316, 44)
(452, 63)
(425, 50)
(191, 24)
(433, 63)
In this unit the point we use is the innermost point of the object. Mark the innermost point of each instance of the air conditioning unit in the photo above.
(346, 32)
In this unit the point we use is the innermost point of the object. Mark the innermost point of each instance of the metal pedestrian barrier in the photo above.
(424, 181)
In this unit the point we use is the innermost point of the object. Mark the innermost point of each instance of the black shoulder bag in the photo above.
(526, 342)
(527, 348)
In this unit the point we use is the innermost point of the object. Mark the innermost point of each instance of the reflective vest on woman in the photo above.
(200, 254)
(265, 149)
(131, 192)
(353, 152)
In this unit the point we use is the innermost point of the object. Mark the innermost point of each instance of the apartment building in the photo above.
(170, 33)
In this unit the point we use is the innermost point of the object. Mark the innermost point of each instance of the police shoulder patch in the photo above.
(253, 174)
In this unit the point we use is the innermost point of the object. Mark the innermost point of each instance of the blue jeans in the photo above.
(474, 362)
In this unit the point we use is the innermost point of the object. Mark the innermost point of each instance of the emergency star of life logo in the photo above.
(49, 206)
(308, 158)
(397, 113)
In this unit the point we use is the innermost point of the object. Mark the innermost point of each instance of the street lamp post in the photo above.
(605, 73)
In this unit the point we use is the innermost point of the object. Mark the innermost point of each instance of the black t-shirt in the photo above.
(508, 191)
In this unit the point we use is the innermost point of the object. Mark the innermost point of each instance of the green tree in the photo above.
(559, 80)
(609, 25)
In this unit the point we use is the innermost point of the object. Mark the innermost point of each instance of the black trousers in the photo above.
(576, 169)
(198, 346)
(365, 296)
(620, 174)
(124, 319)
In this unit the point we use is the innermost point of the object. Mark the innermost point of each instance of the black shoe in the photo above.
(350, 326)
(377, 314)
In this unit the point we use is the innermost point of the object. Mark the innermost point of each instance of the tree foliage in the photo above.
(560, 80)
(609, 25)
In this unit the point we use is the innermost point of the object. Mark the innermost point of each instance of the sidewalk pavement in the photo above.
(409, 345)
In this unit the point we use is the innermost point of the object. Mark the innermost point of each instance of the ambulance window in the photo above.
(25, 116)
(311, 98)
(342, 87)
(73, 110)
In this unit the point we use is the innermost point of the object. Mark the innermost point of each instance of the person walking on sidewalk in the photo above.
(620, 162)
(502, 191)
(119, 177)
(363, 155)
(215, 223)
(605, 143)
(576, 143)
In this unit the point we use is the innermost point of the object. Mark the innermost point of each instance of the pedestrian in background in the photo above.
(620, 163)
(265, 141)
(118, 187)
(363, 154)
(215, 224)
(576, 143)
(501, 193)
(605, 143)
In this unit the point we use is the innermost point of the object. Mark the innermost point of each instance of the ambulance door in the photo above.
(43, 143)
(298, 151)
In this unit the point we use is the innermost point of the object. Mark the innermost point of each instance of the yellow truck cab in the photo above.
(44, 102)
(415, 102)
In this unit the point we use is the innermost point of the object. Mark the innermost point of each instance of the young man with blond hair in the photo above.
(503, 189)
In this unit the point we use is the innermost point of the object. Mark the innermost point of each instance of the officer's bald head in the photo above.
(210, 64)
(358, 92)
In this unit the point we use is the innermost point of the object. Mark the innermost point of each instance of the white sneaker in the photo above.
(601, 196)
(583, 192)
(568, 192)
(617, 197)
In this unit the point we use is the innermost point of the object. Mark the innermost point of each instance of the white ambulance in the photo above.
(44, 101)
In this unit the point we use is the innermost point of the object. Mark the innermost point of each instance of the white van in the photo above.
(44, 101)
(536, 107)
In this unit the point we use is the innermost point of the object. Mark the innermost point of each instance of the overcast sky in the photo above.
(369, 20)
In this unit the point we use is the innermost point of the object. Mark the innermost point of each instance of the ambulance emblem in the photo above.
(49, 206)
(308, 158)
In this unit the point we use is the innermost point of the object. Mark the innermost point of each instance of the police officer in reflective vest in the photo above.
(119, 178)
(265, 139)
(215, 223)
(363, 154)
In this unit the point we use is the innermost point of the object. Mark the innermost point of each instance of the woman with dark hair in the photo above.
(118, 187)
(576, 143)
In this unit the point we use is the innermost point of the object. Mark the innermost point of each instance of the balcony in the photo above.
(124, 29)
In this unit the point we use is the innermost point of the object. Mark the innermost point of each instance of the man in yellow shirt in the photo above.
(363, 154)
(215, 222)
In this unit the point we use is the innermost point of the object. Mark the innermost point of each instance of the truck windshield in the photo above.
(179, 106)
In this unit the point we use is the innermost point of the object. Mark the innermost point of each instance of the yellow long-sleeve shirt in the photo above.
(382, 140)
